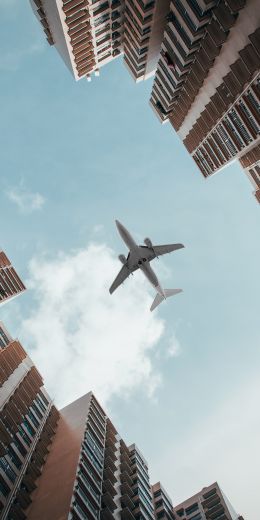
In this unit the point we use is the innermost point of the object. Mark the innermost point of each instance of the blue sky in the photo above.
(182, 383)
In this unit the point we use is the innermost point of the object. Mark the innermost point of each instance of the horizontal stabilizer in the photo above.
(158, 298)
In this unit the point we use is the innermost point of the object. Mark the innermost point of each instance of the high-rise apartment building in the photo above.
(10, 283)
(27, 423)
(89, 34)
(209, 504)
(86, 34)
(103, 478)
(207, 82)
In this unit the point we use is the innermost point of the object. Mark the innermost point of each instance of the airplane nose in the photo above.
(118, 224)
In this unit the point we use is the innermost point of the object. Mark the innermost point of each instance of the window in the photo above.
(28, 427)
(191, 509)
(196, 517)
(19, 446)
(3, 339)
(4, 488)
(24, 436)
(7, 469)
(14, 457)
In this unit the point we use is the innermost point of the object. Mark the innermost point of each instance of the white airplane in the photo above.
(139, 257)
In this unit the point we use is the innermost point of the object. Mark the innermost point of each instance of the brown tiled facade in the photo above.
(10, 283)
(27, 425)
(102, 478)
(209, 504)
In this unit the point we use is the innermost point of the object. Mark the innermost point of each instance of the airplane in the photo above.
(139, 257)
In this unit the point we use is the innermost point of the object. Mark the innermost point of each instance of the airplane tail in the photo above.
(158, 298)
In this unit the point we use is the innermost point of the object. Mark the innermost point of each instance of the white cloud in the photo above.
(83, 338)
(26, 201)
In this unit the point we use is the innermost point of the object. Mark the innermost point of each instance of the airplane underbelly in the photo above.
(150, 275)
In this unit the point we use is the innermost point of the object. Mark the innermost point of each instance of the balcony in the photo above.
(126, 514)
(101, 428)
(74, 6)
(96, 432)
(224, 16)
(127, 502)
(86, 484)
(85, 503)
(106, 514)
(108, 487)
(108, 501)
(126, 489)
(92, 461)
(110, 427)
(82, 514)
(95, 478)
(110, 441)
(93, 412)
(108, 474)
(126, 478)
(115, 4)
(110, 452)
(109, 463)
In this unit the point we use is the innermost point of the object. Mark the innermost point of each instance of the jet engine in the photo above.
(122, 259)
(148, 242)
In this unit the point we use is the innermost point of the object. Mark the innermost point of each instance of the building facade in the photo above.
(88, 35)
(143, 32)
(209, 504)
(103, 478)
(10, 283)
(27, 424)
(207, 82)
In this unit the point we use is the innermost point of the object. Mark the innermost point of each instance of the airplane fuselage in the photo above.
(138, 258)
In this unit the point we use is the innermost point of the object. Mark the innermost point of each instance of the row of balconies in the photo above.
(233, 83)
(206, 50)
(251, 157)
(34, 466)
(10, 359)
(44, 21)
(79, 31)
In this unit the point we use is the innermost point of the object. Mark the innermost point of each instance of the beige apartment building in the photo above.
(209, 504)
(89, 34)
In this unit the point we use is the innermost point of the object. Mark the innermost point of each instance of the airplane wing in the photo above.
(121, 277)
(167, 248)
